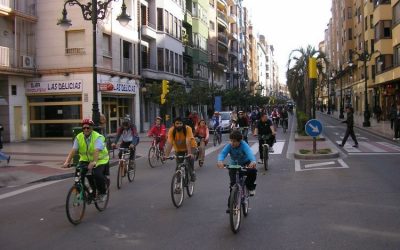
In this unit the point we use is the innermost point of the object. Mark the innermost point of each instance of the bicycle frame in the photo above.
(82, 174)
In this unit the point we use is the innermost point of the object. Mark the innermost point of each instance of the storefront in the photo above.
(54, 107)
(119, 99)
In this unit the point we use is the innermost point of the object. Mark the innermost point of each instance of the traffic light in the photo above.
(165, 87)
(162, 98)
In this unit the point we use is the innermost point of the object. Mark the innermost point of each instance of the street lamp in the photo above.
(365, 57)
(93, 11)
(330, 78)
(340, 74)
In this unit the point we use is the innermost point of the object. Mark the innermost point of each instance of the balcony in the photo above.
(233, 35)
(188, 17)
(10, 57)
(149, 31)
(188, 51)
(222, 18)
(232, 17)
(233, 52)
(25, 9)
(222, 39)
(222, 60)
(222, 4)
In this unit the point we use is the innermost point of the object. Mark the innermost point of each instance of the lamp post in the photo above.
(341, 116)
(330, 78)
(93, 11)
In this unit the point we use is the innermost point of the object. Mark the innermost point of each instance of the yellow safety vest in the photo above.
(86, 151)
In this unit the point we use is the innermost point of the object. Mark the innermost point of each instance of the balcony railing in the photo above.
(127, 65)
(75, 51)
(222, 38)
(4, 56)
(24, 6)
(222, 60)
(222, 16)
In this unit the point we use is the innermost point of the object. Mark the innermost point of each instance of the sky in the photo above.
(289, 25)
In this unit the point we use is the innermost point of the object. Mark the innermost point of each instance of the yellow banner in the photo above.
(312, 68)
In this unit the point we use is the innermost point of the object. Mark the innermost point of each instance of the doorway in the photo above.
(18, 123)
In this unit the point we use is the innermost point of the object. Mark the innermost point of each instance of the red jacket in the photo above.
(157, 131)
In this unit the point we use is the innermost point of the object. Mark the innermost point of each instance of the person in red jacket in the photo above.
(158, 130)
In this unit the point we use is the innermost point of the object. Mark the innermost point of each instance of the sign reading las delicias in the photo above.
(54, 87)
(119, 87)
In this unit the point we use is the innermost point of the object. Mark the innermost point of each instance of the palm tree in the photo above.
(297, 76)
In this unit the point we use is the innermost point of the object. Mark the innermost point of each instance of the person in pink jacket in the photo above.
(158, 130)
(202, 133)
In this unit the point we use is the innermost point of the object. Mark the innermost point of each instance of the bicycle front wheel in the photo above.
(131, 170)
(245, 202)
(177, 193)
(189, 185)
(121, 174)
(75, 205)
(215, 139)
(102, 205)
(152, 157)
(265, 156)
(235, 215)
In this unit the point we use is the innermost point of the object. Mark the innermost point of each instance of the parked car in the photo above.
(225, 122)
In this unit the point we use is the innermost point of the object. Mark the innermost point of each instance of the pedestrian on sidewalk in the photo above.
(3, 156)
(378, 113)
(350, 127)
(392, 115)
(397, 124)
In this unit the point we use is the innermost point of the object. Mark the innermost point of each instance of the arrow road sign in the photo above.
(313, 128)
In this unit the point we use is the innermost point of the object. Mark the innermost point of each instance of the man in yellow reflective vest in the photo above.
(93, 152)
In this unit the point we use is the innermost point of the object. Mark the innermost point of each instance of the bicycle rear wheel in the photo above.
(235, 215)
(75, 205)
(152, 157)
(245, 202)
(177, 193)
(131, 170)
(121, 174)
(265, 157)
(189, 185)
(219, 138)
(102, 205)
(215, 139)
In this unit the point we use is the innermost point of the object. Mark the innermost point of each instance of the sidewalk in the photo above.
(34, 160)
(381, 129)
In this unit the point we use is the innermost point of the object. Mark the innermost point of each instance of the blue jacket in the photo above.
(240, 155)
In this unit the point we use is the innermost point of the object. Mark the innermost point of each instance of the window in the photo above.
(107, 45)
(166, 21)
(383, 62)
(176, 71)
(366, 23)
(74, 42)
(180, 65)
(175, 33)
(160, 59)
(160, 19)
(13, 89)
(350, 34)
(396, 54)
(168, 65)
(179, 29)
(212, 26)
(349, 13)
(396, 14)
(371, 21)
(383, 30)
(171, 62)
(171, 24)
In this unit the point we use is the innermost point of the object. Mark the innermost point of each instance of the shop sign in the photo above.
(118, 87)
(54, 87)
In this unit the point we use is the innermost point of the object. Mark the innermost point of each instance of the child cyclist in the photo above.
(241, 154)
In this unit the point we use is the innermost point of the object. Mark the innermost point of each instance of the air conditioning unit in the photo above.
(27, 62)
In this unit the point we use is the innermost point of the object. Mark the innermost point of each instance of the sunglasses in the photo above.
(86, 128)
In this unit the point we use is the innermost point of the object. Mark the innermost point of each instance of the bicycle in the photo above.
(217, 138)
(284, 124)
(245, 132)
(198, 139)
(238, 198)
(155, 154)
(82, 193)
(126, 166)
(181, 180)
(265, 150)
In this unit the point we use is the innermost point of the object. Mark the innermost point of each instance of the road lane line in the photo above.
(278, 148)
(297, 166)
(342, 163)
(212, 149)
(372, 147)
(33, 187)
(389, 145)
(372, 153)
(320, 164)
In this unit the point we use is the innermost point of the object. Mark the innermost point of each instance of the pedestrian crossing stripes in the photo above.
(370, 147)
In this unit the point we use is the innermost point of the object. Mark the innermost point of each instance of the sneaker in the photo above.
(355, 146)
(260, 161)
(271, 150)
(252, 192)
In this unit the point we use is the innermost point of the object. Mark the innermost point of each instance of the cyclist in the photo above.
(265, 127)
(92, 150)
(129, 136)
(181, 138)
(240, 153)
(203, 133)
(275, 117)
(243, 121)
(216, 122)
(158, 130)
(285, 116)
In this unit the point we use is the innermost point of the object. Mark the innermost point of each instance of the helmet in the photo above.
(240, 112)
(126, 121)
(87, 121)
(216, 112)
(158, 118)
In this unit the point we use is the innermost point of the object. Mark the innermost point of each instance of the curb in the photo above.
(334, 154)
(308, 138)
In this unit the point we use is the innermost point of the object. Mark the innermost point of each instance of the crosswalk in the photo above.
(368, 147)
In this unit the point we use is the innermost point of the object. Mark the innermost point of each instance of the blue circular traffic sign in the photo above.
(313, 128)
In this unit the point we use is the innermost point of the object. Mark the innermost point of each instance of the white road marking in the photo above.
(297, 166)
(372, 147)
(254, 148)
(389, 145)
(372, 153)
(212, 149)
(362, 138)
(278, 148)
(349, 148)
(319, 164)
(336, 133)
(344, 164)
(33, 187)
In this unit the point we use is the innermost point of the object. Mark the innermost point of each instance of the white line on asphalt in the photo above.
(297, 166)
(389, 145)
(372, 153)
(320, 164)
(212, 149)
(372, 147)
(342, 163)
(33, 187)
(278, 148)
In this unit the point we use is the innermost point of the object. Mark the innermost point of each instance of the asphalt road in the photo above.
(334, 207)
